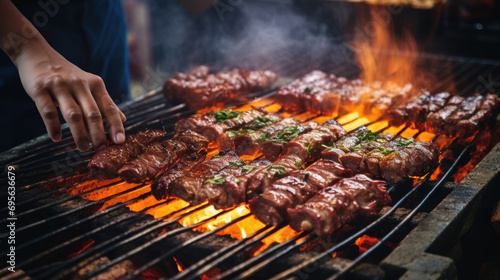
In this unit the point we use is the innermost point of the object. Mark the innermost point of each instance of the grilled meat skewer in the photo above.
(274, 144)
(248, 143)
(200, 88)
(214, 124)
(160, 156)
(298, 152)
(228, 189)
(226, 140)
(106, 163)
(295, 189)
(384, 155)
(339, 204)
(161, 186)
(189, 186)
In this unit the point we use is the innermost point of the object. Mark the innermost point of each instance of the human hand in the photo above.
(51, 81)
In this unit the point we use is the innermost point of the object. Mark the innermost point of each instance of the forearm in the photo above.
(18, 36)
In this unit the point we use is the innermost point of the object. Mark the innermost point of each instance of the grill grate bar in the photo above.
(60, 215)
(216, 254)
(232, 252)
(87, 235)
(186, 243)
(411, 214)
(139, 231)
(66, 199)
(153, 242)
(86, 219)
(254, 268)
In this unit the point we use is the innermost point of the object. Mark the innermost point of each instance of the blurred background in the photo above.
(169, 36)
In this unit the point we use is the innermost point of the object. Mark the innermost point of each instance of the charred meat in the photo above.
(160, 156)
(339, 204)
(162, 185)
(189, 186)
(229, 187)
(199, 88)
(288, 192)
(212, 125)
(106, 163)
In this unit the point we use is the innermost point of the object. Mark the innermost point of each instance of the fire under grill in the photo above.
(70, 227)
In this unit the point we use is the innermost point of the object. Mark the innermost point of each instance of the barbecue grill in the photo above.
(67, 226)
(70, 227)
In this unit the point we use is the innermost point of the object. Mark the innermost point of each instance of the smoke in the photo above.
(279, 35)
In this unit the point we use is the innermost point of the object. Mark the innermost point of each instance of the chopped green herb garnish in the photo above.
(234, 133)
(225, 115)
(289, 133)
(237, 180)
(309, 148)
(280, 170)
(265, 138)
(283, 137)
(309, 88)
(383, 150)
(237, 164)
(329, 147)
(248, 168)
(387, 152)
(216, 181)
(216, 156)
(298, 164)
(261, 122)
(367, 135)
(342, 138)
(405, 142)
(357, 147)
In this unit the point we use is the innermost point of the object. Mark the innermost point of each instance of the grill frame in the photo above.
(22, 158)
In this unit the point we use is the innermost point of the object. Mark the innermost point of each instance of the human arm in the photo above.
(50, 80)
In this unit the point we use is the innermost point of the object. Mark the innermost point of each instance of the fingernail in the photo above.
(83, 146)
(56, 137)
(120, 138)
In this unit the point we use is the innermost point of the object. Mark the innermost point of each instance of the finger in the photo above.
(71, 112)
(91, 114)
(109, 111)
(123, 117)
(48, 112)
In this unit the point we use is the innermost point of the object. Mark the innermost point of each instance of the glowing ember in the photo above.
(348, 118)
(365, 242)
(180, 267)
(85, 246)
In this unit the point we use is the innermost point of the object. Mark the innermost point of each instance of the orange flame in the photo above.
(382, 56)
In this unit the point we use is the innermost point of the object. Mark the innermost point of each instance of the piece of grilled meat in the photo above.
(106, 163)
(288, 192)
(160, 156)
(339, 204)
(199, 88)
